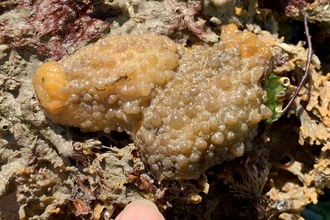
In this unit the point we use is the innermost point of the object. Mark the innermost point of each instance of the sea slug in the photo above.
(186, 109)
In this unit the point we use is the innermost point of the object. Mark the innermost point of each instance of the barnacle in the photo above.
(106, 85)
(185, 115)
(209, 112)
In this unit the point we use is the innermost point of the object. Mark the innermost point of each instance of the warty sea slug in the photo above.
(185, 115)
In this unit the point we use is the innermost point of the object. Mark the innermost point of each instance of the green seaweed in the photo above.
(274, 88)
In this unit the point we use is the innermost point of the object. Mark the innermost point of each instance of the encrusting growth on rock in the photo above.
(185, 115)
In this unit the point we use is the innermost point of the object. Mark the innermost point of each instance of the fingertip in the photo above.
(140, 210)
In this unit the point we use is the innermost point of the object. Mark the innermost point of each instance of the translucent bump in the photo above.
(217, 138)
(166, 128)
(185, 147)
(265, 112)
(175, 96)
(257, 73)
(164, 139)
(101, 108)
(213, 122)
(190, 111)
(96, 62)
(167, 163)
(121, 47)
(182, 161)
(186, 98)
(112, 99)
(251, 62)
(140, 48)
(176, 121)
(162, 150)
(195, 129)
(181, 51)
(97, 116)
(153, 60)
(100, 84)
(205, 127)
(85, 115)
(131, 108)
(222, 128)
(96, 128)
(198, 101)
(231, 119)
(194, 157)
(200, 144)
(223, 81)
(169, 74)
(204, 116)
(242, 115)
(111, 113)
(88, 98)
(252, 95)
(86, 124)
(127, 57)
(235, 62)
(120, 128)
(161, 78)
(244, 128)
(230, 136)
(119, 114)
(237, 149)
(172, 150)
(174, 104)
(188, 135)
(213, 60)
(194, 90)
(152, 160)
(155, 167)
(78, 118)
(155, 121)
(161, 112)
(109, 62)
(84, 60)
(148, 138)
(173, 134)
(254, 117)
(97, 98)
(245, 77)
(172, 62)
(145, 89)
(151, 149)
(127, 90)
(92, 92)
(74, 98)
(88, 109)
(212, 105)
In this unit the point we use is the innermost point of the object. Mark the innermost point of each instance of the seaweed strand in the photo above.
(309, 59)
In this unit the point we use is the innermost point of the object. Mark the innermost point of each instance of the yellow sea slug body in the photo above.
(106, 85)
(185, 115)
